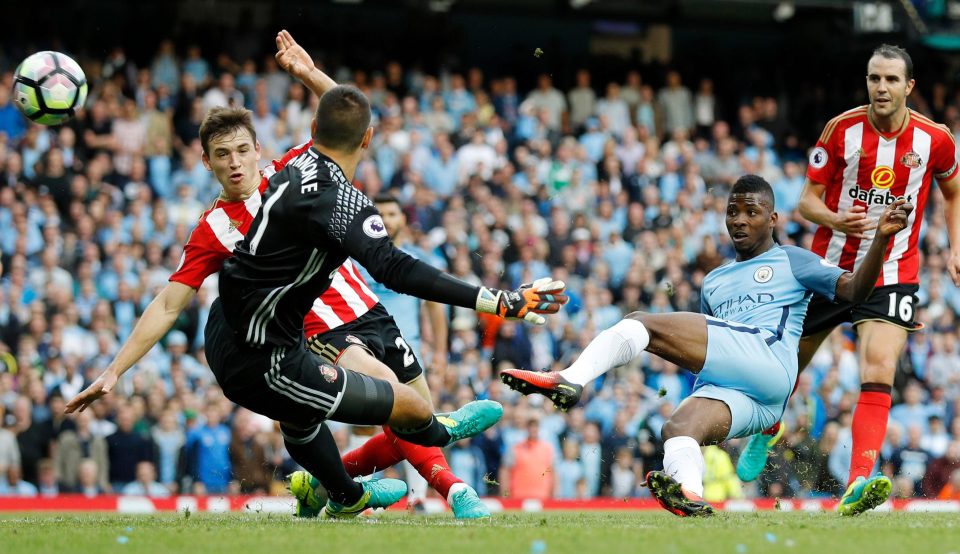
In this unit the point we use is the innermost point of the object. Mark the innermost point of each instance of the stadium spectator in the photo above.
(14, 485)
(529, 467)
(88, 482)
(146, 483)
(77, 445)
(248, 456)
(125, 449)
(582, 100)
(940, 470)
(208, 451)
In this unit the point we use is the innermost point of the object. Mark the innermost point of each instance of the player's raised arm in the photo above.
(856, 286)
(156, 320)
(366, 240)
(852, 222)
(297, 62)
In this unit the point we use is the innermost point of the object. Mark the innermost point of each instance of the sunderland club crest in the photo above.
(911, 159)
(329, 373)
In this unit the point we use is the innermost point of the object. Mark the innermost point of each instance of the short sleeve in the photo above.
(203, 255)
(814, 272)
(824, 161)
(943, 159)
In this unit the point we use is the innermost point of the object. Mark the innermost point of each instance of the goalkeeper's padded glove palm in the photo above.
(543, 296)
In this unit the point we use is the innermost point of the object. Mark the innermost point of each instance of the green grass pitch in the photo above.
(550, 533)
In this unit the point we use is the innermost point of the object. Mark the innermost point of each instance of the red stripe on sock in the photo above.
(869, 429)
(429, 462)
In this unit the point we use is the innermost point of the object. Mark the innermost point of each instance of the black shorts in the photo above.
(291, 384)
(895, 304)
(377, 333)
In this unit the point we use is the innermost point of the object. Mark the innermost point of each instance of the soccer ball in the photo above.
(48, 87)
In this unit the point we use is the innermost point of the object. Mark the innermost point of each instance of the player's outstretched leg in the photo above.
(677, 337)
(754, 456)
(864, 494)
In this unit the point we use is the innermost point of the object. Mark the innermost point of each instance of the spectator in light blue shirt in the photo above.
(787, 188)
(912, 412)
(569, 471)
(594, 140)
(458, 99)
(13, 485)
(441, 171)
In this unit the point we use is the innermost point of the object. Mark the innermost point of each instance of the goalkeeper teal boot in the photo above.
(865, 494)
(377, 493)
(471, 419)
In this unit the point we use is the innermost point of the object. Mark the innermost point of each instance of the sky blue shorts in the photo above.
(742, 371)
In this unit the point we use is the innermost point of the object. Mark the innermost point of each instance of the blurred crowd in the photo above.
(617, 188)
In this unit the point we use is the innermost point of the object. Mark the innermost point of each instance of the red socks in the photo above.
(385, 450)
(377, 454)
(429, 462)
(869, 428)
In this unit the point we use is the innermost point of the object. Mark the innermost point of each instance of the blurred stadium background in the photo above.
(590, 138)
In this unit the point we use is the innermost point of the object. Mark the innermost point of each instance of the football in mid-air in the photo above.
(49, 87)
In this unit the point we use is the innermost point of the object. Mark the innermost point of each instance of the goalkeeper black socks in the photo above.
(432, 434)
(317, 452)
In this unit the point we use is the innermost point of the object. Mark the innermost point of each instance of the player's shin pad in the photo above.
(543, 296)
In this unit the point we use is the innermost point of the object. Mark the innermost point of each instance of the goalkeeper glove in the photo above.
(543, 296)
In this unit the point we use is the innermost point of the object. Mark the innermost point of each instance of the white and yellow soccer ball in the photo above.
(48, 88)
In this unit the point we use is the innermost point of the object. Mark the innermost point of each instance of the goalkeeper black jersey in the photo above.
(311, 220)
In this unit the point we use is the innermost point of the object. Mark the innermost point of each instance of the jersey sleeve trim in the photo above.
(833, 123)
(813, 272)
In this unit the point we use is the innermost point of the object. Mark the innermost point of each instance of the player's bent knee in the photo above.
(410, 409)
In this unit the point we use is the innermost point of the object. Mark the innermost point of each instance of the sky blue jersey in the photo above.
(769, 294)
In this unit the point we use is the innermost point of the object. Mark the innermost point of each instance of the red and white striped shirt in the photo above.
(224, 224)
(861, 167)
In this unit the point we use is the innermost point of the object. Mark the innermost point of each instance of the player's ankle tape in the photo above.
(432, 434)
